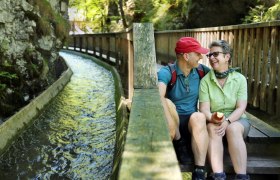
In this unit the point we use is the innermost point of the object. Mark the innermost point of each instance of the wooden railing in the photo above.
(256, 50)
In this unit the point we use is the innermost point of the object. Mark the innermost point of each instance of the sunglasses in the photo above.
(215, 54)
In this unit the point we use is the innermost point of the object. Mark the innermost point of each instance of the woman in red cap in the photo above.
(180, 103)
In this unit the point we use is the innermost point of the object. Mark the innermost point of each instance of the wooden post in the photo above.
(75, 41)
(87, 42)
(117, 52)
(80, 42)
(144, 56)
(148, 151)
(108, 48)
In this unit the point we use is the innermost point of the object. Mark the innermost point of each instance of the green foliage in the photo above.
(256, 14)
(273, 13)
(166, 14)
(7, 75)
(261, 13)
(95, 11)
(2, 87)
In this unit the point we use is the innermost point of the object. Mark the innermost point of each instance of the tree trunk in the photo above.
(120, 2)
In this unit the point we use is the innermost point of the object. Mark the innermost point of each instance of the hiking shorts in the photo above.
(183, 127)
(246, 124)
(184, 131)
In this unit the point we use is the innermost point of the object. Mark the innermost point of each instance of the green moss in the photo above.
(4, 46)
(45, 9)
(44, 27)
(34, 70)
(2, 87)
(62, 27)
(4, 74)
(50, 20)
(6, 64)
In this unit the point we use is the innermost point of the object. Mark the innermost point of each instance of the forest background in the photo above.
(89, 16)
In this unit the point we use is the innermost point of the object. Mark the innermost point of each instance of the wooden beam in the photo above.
(148, 151)
(145, 72)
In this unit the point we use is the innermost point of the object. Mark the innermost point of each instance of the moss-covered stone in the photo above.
(31, 35)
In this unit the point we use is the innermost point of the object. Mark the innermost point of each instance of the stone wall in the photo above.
(31, 34)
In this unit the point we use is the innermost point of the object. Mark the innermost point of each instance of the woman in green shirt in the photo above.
(224, 90)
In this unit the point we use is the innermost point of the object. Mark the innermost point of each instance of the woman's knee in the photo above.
(235, 129)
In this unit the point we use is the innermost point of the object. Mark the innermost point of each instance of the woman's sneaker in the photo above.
(242, 177)
(219, 176)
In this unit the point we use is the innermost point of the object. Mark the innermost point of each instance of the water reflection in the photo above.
(74, 137)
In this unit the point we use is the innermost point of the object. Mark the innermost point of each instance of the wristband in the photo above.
(227, 119)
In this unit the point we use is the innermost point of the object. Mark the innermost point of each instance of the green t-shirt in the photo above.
(223, 99)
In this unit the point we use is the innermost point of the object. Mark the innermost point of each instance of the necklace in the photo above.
(187, 83)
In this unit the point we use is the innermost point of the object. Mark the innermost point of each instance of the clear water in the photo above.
(74, 137)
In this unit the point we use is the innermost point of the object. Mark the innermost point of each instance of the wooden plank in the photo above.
(231, 37)
(257, 60)
(264, 73)
(240, 50)
(256, 136)
(273, 64)
(148, 151)
(130, 68)
(144, 56)
(94, 46)
(226, 36)
(257, 164)
(245, 54)
(278, 75)
(251, 53)
(235, 48)
(272, 133)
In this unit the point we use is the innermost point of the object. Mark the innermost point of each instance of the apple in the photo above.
(218, 116)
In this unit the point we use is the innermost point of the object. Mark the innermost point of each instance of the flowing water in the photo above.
(74, 137)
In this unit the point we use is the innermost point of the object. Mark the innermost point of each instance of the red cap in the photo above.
(189, 44)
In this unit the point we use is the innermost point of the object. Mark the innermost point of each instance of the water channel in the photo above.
(74, 137)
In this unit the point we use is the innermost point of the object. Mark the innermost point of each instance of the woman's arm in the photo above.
(239, 110)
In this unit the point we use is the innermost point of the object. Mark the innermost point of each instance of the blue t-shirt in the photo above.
(184, 93)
